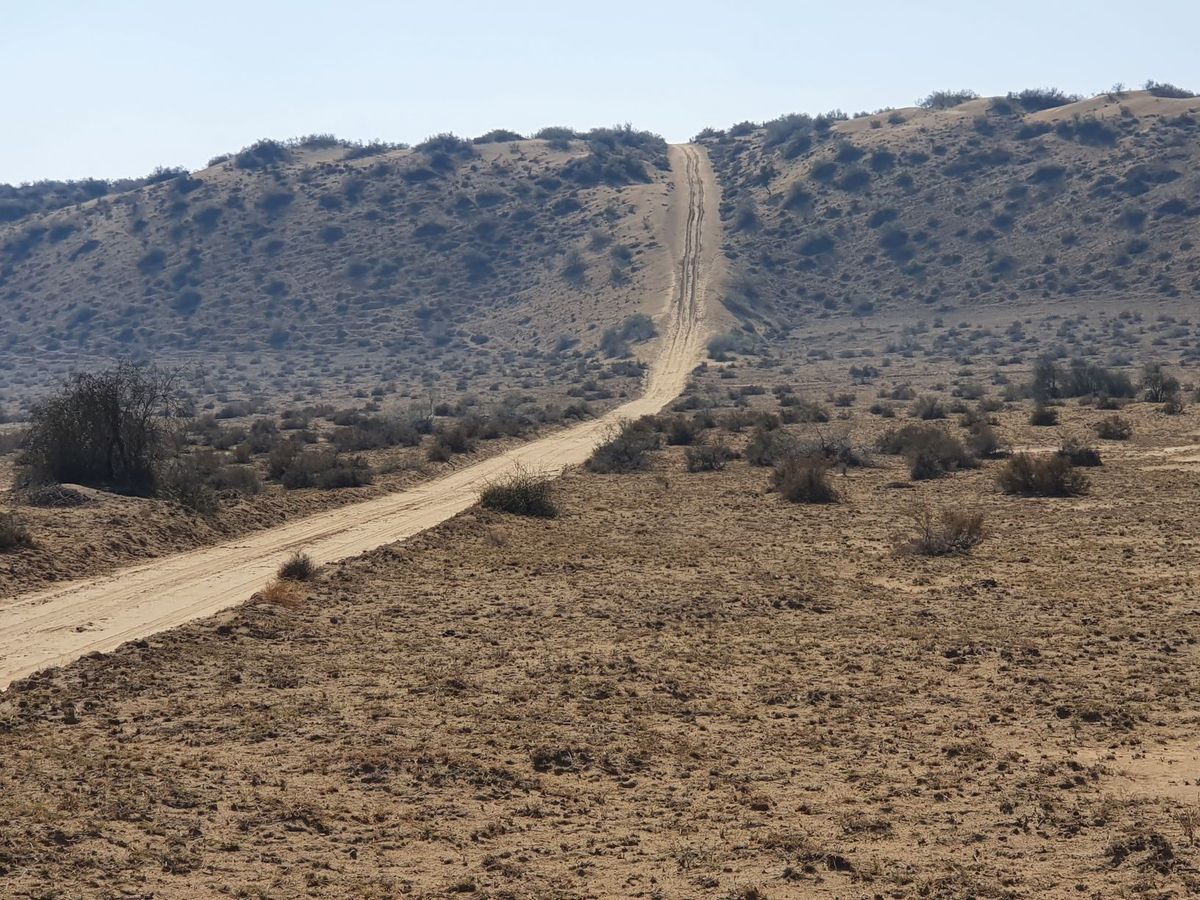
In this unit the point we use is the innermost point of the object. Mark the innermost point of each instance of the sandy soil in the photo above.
(54, 626)
(682, 687)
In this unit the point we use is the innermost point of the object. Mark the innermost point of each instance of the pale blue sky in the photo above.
(115, 87)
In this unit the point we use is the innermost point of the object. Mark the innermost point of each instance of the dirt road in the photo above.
(53, 627)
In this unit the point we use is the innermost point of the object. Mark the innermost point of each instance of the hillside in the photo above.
(321, 266)
(992, 202)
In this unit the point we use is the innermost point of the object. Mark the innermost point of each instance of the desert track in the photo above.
(53, 627)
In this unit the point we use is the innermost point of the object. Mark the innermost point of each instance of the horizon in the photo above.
(171, 89)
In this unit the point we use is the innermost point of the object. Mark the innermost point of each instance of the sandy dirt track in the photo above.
(55, 626)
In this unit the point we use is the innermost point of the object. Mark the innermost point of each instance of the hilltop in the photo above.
(319, 265)
(1036, 198)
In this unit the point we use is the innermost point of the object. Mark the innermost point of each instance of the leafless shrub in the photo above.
(942, 532)
(804, 480)
(297, 567)
(13, 534)
(521, 494)
(1047, 475)
(1114, 428)
(707, 457)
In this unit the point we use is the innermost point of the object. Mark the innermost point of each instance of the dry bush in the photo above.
(708, 457)
(55, 496)
(521, 494)
(13, 534)
(280, 593)
(930, 451)
(943, 532)
(106, 429)
(624, 449)
(1047, 475)
(1043, 416)
(927, 408)
(768, 446)
(804, 480)
(297, 567)
(1114, 428)
(1080, 454)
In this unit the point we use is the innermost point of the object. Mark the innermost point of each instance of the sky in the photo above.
(114, 88)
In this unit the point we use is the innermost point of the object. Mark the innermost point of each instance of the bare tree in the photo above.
(105, 429)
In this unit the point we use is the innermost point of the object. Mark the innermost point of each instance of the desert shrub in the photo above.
(1166, 89)
(1080, 454)
(1045, 475)
(681, 431)
(373, 433)
(263, 436)
(949, 530)
(707, 457)
(107, 429)
(11, 441)
(237, 479)
(447, 441)
(1173, 405)
(722, 345)
(1156, 384)
(929, 450)
(927, 407)
(297, 567)
(13, 534)
(883, 410)
(321, 468)
(261, 154)
(634, 329)
(801, 479)
(624, 449)
(768, 446)
(947, 99)
(982, 440)
(1043, 416)
(1035, 99)
(185, 481)
(498, 136)
(808, 412)
(1114, 428)
(521, 494)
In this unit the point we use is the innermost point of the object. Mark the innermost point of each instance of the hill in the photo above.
(321, 266)
(1032, 198)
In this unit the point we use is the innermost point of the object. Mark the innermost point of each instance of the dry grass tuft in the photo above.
(280, 593)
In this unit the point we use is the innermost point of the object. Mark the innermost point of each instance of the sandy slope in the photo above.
(55, 626)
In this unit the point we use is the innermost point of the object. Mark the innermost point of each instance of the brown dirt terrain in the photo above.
(52, 627)
(683, 686)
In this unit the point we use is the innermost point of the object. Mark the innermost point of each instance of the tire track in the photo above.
(55, 626)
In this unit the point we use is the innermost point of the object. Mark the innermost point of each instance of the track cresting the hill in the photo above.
(52, 627)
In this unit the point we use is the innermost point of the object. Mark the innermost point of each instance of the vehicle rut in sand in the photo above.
(53, 627)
